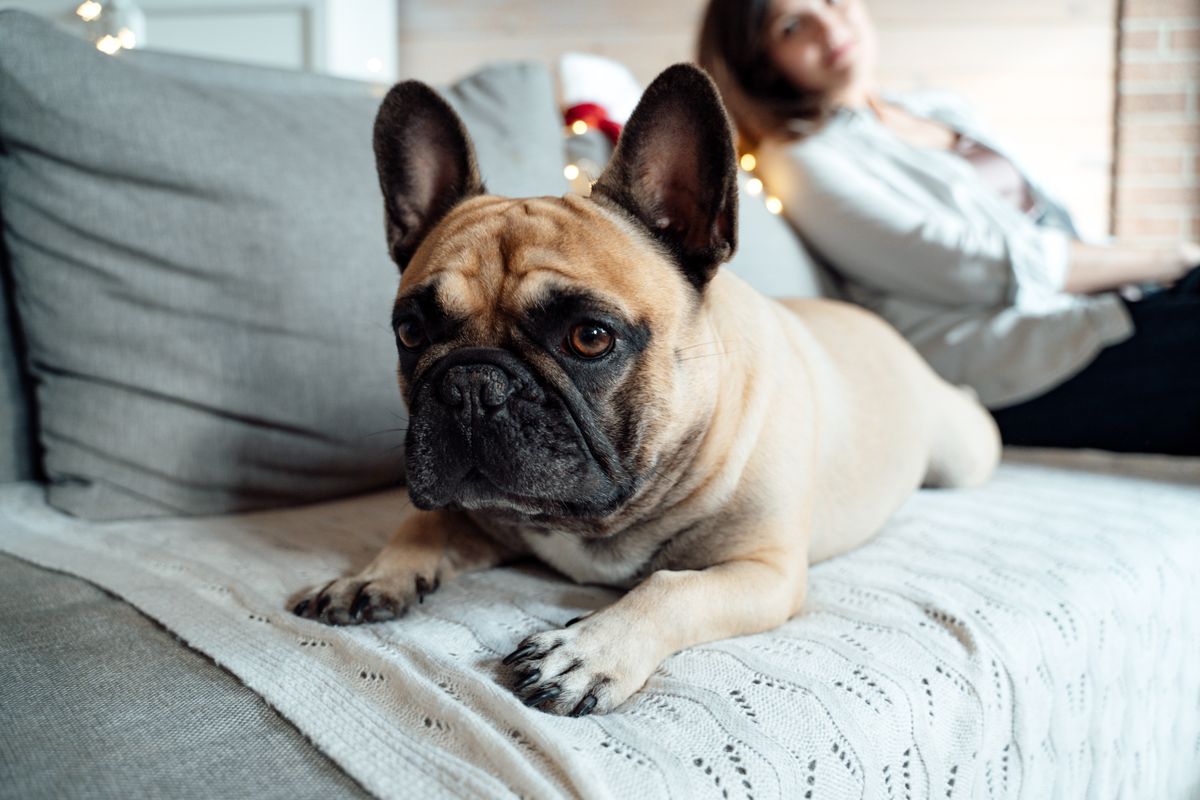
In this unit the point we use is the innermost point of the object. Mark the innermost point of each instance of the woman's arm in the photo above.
(1099, 268)
(870, 232)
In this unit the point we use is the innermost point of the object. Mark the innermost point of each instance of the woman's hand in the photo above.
(1190, 253)
(1099, 268)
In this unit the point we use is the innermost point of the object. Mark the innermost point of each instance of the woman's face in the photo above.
(820, 46)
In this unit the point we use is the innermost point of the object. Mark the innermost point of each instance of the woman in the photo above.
(930, 223)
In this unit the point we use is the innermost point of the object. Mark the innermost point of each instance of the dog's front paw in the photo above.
(362, 598)
(579, 670)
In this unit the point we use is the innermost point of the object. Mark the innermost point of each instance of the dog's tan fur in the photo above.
(778, 434)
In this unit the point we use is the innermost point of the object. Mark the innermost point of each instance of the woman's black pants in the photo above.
(1142, 395)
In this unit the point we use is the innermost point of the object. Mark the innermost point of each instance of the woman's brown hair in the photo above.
(733, 49)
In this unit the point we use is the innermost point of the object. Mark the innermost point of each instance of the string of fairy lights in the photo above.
(581, 178)
(754, 186)
(114, 25)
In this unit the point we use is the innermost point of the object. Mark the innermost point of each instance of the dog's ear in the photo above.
(674, 169)
(426, 164)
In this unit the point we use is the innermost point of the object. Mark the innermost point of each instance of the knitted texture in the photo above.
(1035, 638)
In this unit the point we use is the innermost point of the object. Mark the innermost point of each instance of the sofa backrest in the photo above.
(18, 460)
(201, 271)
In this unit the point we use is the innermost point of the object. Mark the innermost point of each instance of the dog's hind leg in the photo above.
(966, 442)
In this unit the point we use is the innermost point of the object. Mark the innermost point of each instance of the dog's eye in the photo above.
(590, 340)
(411, 333)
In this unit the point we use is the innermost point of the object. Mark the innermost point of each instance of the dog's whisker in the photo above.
(400, 431)
(707, 355)
(694, 346)
(715, 342)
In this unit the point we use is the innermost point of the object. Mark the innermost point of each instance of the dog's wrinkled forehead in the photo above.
(493, 258)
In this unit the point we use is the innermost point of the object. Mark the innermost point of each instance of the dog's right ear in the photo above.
(674, 170)
(426, 165)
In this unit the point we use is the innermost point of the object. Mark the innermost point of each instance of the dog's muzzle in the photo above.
(481, 380)
(484, 433)
(481, 386)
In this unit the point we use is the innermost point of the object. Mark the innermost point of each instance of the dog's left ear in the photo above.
(426, 164)
(674, 169)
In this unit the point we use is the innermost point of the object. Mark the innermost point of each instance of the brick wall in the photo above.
(1157, 180)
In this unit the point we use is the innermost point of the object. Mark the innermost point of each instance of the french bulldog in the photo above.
(586, 385)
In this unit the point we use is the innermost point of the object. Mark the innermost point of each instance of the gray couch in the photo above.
(101, 702)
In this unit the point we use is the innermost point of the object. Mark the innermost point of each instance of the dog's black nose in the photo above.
(484, 385)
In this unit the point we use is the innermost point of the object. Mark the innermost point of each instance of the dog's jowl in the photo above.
(587, 386)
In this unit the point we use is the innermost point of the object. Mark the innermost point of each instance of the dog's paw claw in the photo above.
(323, 601)
(529, 680)
(355, 600)
(585, 706)
(360, 603)
(519, 653)
(574, 672)
(548, 693)
(425, 587)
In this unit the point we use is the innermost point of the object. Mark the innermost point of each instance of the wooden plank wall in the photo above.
(1042, 71)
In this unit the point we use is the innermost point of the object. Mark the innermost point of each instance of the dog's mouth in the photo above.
(477, 492)
(476, 447)
(478, 488)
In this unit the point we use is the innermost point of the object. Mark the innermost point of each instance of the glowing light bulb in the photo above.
(748, 162)
(774, 205)
(571, 172)
(89, 10)
(754, 186)
(579, 126)
(374, 64)
(108, 45)
(127, 39)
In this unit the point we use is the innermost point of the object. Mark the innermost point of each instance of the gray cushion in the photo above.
(201, 272)
(770, 254)
(101, 703)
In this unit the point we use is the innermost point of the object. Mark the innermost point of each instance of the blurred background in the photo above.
(1100, 96)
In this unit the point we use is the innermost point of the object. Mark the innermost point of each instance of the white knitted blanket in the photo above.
(1036, 638)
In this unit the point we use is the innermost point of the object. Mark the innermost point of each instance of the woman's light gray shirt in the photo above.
(918, 237)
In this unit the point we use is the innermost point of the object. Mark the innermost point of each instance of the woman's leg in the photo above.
(1142, 395)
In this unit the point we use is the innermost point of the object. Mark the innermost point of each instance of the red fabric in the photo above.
(596, 116)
